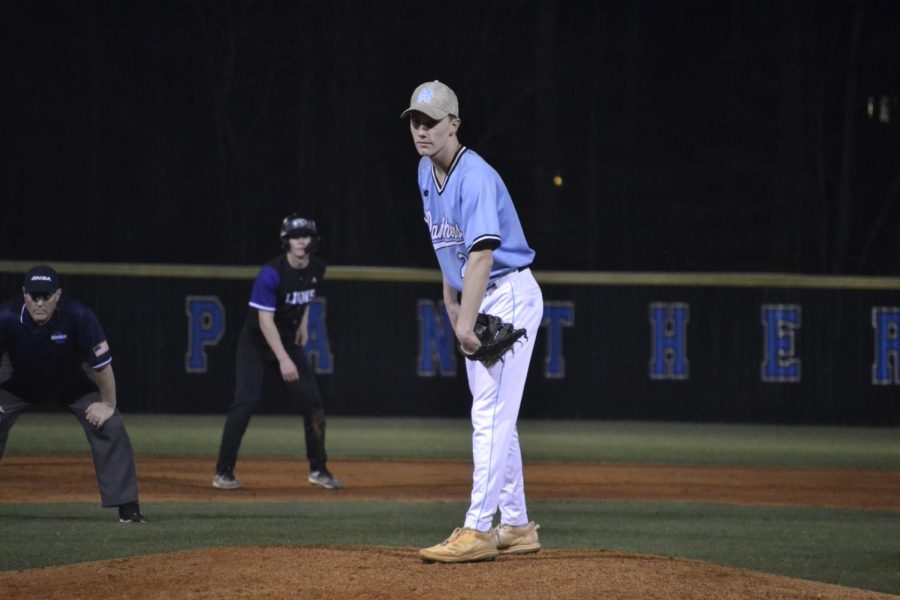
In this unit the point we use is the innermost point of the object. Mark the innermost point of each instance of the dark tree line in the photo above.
(697, 135)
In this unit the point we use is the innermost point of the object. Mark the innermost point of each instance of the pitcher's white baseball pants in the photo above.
(497, 481)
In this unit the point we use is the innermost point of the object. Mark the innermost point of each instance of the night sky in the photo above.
(689, 136)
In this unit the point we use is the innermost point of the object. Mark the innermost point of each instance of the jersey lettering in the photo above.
(444, 234)
(301, 297)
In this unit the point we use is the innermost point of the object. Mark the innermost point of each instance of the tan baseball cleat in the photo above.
(518, 540)
(463, 545)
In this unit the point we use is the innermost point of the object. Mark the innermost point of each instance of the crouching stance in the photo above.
(46, 340)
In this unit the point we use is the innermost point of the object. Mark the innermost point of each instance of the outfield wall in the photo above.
(687, 347)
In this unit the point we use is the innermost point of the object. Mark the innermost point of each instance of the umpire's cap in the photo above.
(41, 279)
(434, 99)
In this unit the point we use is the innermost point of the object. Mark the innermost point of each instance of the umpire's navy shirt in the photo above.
(48, 360)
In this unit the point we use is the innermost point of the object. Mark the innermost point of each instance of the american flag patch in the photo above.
(101, 348)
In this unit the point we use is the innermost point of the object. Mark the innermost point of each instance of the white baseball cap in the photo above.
(434, 99)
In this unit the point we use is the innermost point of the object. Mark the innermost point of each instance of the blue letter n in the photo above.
(437, 341)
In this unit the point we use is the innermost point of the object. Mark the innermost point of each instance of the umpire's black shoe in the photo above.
(130, 513)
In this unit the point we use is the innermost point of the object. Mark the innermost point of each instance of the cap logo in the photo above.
(425, 96)
(41, 278)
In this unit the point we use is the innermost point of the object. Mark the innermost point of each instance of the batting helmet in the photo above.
(296, 224)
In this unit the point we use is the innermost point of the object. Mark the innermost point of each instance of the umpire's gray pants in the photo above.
(110, 446)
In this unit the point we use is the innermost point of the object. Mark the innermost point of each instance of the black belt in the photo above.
(493, 283)
(513, 270)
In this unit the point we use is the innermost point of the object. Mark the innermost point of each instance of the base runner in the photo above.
(271, 342)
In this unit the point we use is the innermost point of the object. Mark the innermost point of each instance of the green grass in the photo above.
(567, 441)
(856, 548)
(845, 547)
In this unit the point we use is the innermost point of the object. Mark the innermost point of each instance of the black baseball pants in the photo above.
(250, 372)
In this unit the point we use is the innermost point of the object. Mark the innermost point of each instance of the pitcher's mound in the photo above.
(341, 572)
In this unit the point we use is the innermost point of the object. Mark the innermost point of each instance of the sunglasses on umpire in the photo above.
(41, 296)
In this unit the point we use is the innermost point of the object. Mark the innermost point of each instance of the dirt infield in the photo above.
(71, 479)
(339, 573)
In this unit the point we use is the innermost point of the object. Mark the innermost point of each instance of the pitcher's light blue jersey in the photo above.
(473, 206)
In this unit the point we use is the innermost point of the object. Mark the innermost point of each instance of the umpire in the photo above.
(47, 342)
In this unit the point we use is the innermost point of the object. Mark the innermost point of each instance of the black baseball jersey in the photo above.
(48, 360)
(287, 292)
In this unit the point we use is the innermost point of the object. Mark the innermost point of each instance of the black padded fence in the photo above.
(685, 347)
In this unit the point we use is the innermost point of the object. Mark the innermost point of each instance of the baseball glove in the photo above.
(496, 338)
